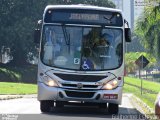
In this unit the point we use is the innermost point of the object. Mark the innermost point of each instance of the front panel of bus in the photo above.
(82, 55)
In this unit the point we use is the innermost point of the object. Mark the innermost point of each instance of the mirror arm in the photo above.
(126, 22)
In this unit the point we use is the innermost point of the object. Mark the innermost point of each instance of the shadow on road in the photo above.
(94, 112)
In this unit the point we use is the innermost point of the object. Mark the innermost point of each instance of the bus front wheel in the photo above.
(113, 108)
(46, 105)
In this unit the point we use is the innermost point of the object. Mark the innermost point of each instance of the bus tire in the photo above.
(113, 108)
(59, 104)
(46, 105)
(103, 105)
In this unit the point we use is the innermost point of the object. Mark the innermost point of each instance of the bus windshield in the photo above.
(82, 48)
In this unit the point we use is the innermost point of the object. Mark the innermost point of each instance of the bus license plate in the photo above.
(110, 96)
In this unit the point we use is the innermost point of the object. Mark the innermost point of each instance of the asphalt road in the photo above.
(28, 108)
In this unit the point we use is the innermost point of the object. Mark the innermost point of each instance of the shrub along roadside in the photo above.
(24, 74)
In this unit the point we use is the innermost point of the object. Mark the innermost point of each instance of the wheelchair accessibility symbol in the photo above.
(87, 64)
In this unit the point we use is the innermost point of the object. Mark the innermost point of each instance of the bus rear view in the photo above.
(81, 57)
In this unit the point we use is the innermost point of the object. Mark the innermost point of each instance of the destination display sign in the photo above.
(93, 17)
(77, 16)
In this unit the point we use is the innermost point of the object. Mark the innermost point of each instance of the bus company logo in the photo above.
(79, 85)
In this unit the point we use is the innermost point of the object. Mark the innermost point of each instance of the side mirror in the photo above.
(128, 34)
(37, 34)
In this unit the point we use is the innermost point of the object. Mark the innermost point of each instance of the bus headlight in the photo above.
(110, 85)
(49, 82)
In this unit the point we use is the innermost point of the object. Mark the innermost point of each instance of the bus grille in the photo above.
(75, 86)
(79, 94)
(80, 78)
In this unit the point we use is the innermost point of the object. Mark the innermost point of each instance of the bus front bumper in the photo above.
(63, 94)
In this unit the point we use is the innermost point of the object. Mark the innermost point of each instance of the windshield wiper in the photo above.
(67, 38)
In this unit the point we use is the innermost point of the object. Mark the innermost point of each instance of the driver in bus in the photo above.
(102, 42)
(101, 47)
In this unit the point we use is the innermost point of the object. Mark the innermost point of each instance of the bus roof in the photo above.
(64, 17)
(82, 6)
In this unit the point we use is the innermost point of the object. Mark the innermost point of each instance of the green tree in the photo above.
(18, 20)
(103, 3)
(148, 29)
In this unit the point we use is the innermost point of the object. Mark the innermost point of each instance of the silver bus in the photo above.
(81, 59)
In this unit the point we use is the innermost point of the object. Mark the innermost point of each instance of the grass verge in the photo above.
(17, 88)
(132, 85)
